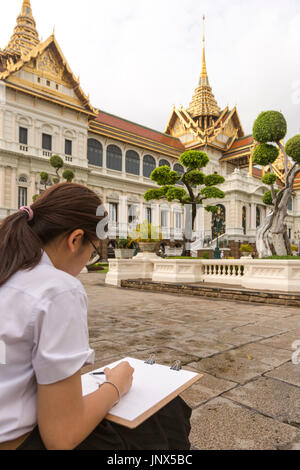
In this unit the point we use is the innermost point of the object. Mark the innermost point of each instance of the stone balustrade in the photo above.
(223, 271)
(272, 275)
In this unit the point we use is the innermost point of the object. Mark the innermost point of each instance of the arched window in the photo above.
(244, 220)
(164, 163)
(132, 162)
(23, 179)
(180, 170)
(114, 158)
(258, 219)
(148, 165)
(95, 152)
(218, 222)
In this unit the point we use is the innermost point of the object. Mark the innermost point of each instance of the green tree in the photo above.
(269, 130)
(68, 175)
(198, 186)
(57, 163)
(44, 178)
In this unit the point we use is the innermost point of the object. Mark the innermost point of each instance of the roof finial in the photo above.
(203, 77)
(203, 102)
(25, 36)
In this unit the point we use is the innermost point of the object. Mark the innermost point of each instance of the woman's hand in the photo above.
(121, 376)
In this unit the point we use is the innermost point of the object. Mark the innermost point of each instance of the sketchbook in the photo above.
(154, 386)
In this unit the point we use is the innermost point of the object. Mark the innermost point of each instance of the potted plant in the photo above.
(246, 250)
(124, 249)
(147, 236)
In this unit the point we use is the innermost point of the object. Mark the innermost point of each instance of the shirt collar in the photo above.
(45, 259)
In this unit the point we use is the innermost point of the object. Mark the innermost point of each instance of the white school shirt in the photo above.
(44, 335)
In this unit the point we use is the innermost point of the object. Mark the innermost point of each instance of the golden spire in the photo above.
(203, 77)
(203, 102)
(25, 36)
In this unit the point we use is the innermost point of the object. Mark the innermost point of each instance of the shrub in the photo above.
(205, 255)
(246, 248)
(270, 126)
(269, 178)
(68, 175)
(123, 243)
(293, 148)
(264, 154)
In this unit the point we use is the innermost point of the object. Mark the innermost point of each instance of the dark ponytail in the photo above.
(61, 209)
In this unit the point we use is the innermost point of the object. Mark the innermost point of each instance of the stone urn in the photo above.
(246, 254)
(124, 253)
(147, 247)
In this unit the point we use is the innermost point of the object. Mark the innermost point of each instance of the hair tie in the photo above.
(29, 212)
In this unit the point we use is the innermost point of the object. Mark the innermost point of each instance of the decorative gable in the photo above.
(46, 73)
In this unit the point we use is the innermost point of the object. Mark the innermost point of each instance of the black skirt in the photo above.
(168, 429)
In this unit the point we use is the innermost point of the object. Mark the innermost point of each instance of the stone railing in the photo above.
(273, 275)
(223, 271)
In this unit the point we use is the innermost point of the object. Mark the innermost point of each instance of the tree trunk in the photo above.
(280, 238)
(188, 241)
(262, 241)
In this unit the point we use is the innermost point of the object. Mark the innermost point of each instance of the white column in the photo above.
(252, 225)
(14, 190)
(123, 216)
(2, 186)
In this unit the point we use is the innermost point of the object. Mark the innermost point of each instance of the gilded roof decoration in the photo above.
(25, 36)
(203, 102)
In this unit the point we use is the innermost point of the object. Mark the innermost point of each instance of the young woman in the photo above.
(43, 327)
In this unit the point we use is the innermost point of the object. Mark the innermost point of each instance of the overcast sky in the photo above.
(137, 58)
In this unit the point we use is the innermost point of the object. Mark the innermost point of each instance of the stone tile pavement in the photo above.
(249, 396)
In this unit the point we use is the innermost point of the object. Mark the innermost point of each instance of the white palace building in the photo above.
(45, 112)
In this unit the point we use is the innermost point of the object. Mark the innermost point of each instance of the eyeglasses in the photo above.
(95, 252)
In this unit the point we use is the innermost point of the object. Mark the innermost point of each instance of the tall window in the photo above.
(290, 204)
(23, 135)
(148, 165)
(149, 215)
(258, 217)
(131, 214)
(114, 158)
(22, 197)
(178, 220)
(164, 219)
(47, 142)
(132, 162)
(180, 170)
(68, 147)
(95, 152)
(244, 220)
(113, 212)
(164, 163)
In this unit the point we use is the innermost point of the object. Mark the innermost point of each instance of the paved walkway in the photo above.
(249, 396)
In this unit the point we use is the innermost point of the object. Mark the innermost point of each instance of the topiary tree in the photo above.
(68, 175)
(270, 128)
(44, 178)
(57, 163)
(199, 187)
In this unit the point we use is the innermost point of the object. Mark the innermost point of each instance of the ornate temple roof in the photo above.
(25, 36)
(203, 102)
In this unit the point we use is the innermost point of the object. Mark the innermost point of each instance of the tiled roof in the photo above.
(240, 147)
(124, 130)
(242, 142)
